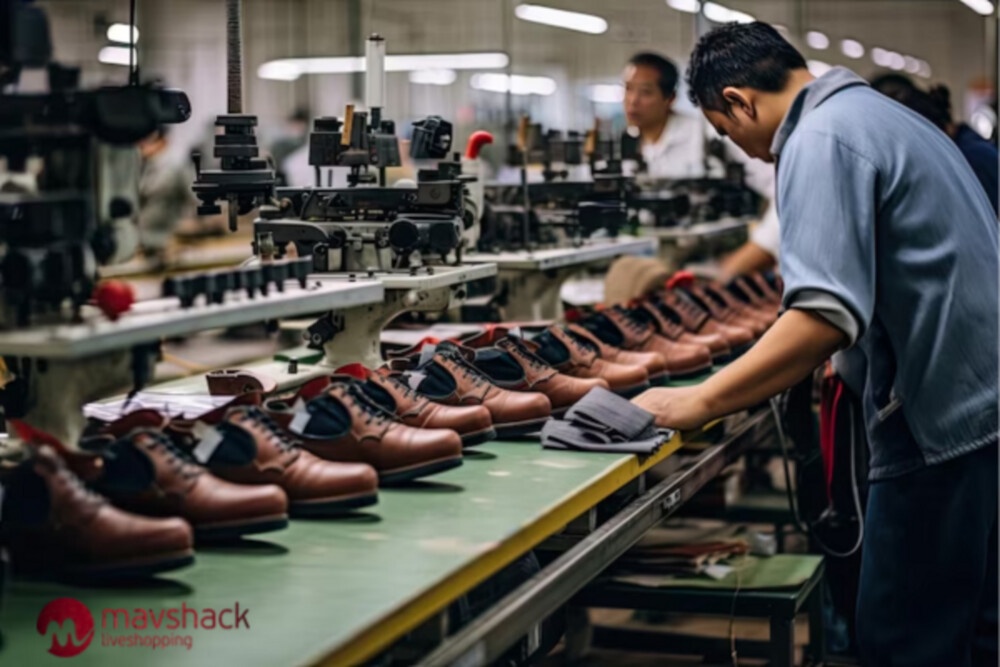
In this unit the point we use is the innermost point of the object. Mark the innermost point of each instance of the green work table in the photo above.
(342, 591)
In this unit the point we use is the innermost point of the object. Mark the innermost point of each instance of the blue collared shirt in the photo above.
(888, 234)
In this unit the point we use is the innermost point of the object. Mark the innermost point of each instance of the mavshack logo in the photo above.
(70, 625)
(177, 618)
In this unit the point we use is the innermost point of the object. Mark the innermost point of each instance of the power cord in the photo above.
(793, 504)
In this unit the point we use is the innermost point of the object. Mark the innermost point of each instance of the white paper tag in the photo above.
(426, 354)
(414, 380)
(208, 441)
(515, 333)
(300, 420)
(717, 572)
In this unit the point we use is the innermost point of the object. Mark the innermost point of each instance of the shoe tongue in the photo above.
(605, 329)
(551, 349)
(127, 469)
(226, 443)
(380, 395)
(427, 353)
(324, 417)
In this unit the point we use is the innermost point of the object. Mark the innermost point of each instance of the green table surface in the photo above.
(343, 590)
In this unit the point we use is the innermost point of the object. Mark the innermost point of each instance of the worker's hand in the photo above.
(675, 407)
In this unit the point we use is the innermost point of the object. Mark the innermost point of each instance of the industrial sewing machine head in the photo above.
(683, 202)
(583, 192)
(68, 178)
(369, 225)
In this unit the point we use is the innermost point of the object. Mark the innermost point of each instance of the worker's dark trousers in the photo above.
(928, 593)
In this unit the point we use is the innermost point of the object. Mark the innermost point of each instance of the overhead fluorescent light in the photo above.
(817, 67)
(516, 84)
(880, 56)
(911, 64)
(116, 55)
(984, 7)
(817, 40)
(689, 6)
(607, 93)
(433, 77)
(290, 69)
(852, 48)
(782, 30)
(984, 122)
(896, 61)
(560, 18)
(119, 32)
(720, 14)
(924, 69)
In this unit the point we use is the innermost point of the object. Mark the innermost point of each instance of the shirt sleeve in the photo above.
(827, 201)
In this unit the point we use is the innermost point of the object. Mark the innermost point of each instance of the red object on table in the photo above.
(114, 297)
(476, 142)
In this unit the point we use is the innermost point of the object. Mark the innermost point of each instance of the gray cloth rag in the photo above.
(604, 422)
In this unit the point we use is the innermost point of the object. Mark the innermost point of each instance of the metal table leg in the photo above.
(782, 641)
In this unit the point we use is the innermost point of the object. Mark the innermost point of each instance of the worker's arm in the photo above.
(797, 343)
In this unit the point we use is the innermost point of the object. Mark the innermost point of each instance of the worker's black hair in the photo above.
(744, 55)
(934, 105)
(667, 70)
(300, 115)
(891, 83)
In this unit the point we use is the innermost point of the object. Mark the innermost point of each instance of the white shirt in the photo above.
(679, 152)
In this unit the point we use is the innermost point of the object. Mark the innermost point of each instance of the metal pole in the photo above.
(234, 58)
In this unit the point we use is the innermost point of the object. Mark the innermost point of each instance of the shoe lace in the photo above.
(518, 350)
(274, 432)
(86, 494)
(408, 393)
(469, 372)
(582, 343)
(175, 456)
(630, 321)
(374, 414)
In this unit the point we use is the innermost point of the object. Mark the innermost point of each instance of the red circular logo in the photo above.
(77, 638)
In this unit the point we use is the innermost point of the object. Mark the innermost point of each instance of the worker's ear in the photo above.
(739, 98)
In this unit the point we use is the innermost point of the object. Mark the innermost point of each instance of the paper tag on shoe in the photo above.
(208, 439)
(301, 418)
(717, 572)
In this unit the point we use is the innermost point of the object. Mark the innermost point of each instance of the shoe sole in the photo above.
(135, 569)
(334, 505)
(693, 373)
(659, 379)
(479, 437)
(633, 391)
(232, 530)
(399, 475)
(519, 429)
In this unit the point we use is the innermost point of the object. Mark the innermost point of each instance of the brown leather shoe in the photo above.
(700, 321)
(721, 311)
(338, 422)
(668, 324)
(684, 360)
(448, 376)
(54, 526)
(244, 446)
(766, 316)
(472, 422)
(236, 381)
(141, 471)
(652, 362)
(512, 364)
(571, 356)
